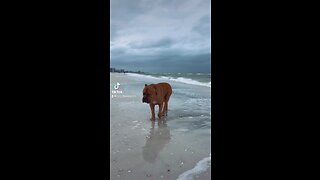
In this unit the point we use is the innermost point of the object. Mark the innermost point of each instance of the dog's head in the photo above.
(149, 93)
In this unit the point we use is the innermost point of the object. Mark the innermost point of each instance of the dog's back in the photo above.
(166, 88)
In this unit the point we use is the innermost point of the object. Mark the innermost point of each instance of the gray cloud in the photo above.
(163, 43)
(203, 26)
(149, 33)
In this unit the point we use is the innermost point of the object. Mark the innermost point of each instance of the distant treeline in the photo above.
(124, 71)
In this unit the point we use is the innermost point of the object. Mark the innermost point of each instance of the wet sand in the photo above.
(160, 149)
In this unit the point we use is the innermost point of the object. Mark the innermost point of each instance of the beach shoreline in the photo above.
(160, 149)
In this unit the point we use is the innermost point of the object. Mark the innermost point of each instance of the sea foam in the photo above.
(179, 79)
(201, 166)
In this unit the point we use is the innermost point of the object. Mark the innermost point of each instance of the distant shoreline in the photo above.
(124, 71)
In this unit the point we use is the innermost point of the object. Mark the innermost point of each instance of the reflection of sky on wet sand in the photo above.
(157, 138)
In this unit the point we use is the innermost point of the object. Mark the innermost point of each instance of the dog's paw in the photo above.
(152, 119)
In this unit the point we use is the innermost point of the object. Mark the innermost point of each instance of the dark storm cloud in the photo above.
(161, 35)
(167, 63)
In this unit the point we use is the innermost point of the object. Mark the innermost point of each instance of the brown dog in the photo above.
(157, 94)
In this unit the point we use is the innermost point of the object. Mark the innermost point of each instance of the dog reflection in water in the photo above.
(158, 138)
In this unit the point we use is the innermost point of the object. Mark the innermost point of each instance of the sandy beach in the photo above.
(177, 147)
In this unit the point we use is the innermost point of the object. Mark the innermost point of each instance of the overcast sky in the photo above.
(161, 35)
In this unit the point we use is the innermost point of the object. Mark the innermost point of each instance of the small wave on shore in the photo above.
(201, 166)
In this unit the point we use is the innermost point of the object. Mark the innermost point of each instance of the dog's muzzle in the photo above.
(145, 100)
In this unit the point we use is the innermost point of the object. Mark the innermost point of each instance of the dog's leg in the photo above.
(167, 103)
(160, 110)
(152, 112)
(166, 109)
(163, 108)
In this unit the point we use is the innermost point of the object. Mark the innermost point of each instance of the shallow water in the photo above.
(163, 149)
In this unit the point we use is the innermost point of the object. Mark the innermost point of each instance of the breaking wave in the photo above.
(178, 79)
